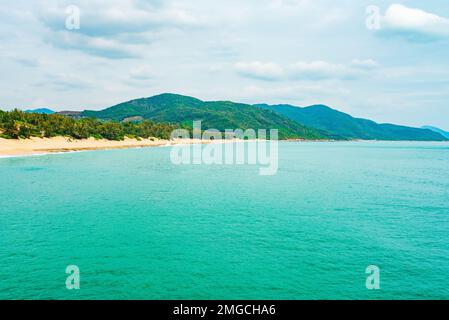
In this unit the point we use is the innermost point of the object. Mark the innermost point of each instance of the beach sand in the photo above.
(35, 146)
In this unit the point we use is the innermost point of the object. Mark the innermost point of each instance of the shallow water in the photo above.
(139, 227)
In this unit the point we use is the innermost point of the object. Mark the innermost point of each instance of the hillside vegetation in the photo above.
(342, 124)
(157, 116)
(219, 115)
(17, 124)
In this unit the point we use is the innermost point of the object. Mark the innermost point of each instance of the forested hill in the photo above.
(342, 124)
(221, 115)
(312, 122)
(316, 122)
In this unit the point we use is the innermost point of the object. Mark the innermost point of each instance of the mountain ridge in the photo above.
(221, 115)
(311, 122)
(340, 123)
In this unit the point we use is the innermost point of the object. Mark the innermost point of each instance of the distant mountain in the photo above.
(440, 131)
(219, 115)
(41, 111)
(342, 124)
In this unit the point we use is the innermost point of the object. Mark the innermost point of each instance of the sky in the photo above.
(383, 60)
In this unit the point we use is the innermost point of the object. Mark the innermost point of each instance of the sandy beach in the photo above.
(36, 146)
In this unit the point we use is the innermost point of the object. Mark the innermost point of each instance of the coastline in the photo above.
(42, 146)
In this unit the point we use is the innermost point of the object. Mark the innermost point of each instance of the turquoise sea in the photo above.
(139, 227)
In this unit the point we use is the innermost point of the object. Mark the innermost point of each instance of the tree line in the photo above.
(17, 124)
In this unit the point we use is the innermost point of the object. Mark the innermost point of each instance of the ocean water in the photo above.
(139, 227)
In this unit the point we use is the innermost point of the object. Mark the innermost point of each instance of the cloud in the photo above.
(98, 46)
(319, 70)
(368, 64)
(294, 91)
(108, 28)
(141, 76)
(300, 94)
(27, 62)
(260, 70)
(109, 18)
(415, 24)
(142, 73)
(315, 70)
(65, 81)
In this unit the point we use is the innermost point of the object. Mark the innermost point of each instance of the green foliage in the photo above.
(17, 124)
(219, 115)
(115, 123)
(344, 125)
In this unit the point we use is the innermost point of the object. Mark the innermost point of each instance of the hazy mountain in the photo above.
(41, 111)
(440, 131)
(339, 123)
(219, 115)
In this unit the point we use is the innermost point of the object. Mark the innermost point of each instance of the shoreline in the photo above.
(10, 148)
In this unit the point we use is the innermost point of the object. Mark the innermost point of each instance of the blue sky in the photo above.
(300, 52)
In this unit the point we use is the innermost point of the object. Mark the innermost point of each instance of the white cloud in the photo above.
(142, 73)
(318, 70)
(294, 91)
(299, 94)
(364, 64)
(411, 21)
(99, 46)
(315, 70)
(27, 61)
(107, 28)
(260, 70)
(113, 17)
(66, 81)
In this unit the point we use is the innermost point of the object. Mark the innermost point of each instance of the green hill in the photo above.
(342, 124)
(314, 122)
(219, 115)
